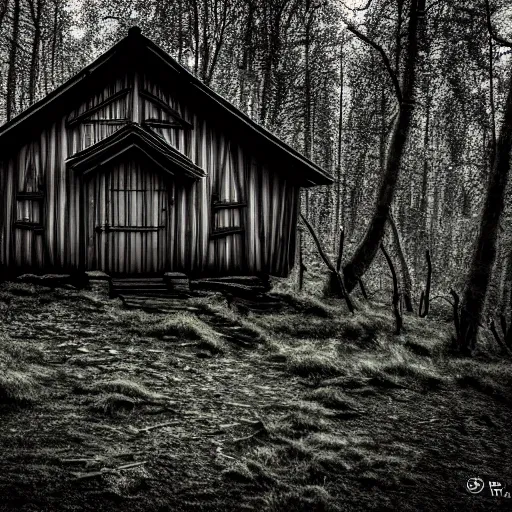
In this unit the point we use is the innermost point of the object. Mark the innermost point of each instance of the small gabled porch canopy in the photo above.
(135, 138)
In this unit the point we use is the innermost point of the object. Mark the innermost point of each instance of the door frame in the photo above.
(84, 212)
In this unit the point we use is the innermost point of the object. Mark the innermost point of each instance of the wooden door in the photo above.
(127, 232)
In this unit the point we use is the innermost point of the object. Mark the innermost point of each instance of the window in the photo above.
(29, 210)
(226, 217)
(87, 135)
(227, 203)
(29, 200)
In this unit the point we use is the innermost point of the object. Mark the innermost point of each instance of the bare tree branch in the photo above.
(492, 33)
(354, 9)
(329, 263)
(385, 59)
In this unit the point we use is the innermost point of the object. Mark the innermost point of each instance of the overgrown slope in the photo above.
(135, 411)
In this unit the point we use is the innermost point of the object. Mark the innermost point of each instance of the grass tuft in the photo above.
(306, 304)
(239, 472)
(332, 398)
(19, 379)
(17, 387)
(113, 403)
(312, 365)
(300, 423)
(301, 499)
(182, 326)
(124, 387)
(19, 289)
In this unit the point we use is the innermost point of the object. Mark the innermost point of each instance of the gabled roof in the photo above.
(133, 137)
(137, 47)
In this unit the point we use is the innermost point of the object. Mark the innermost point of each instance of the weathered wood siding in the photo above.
(234, 173)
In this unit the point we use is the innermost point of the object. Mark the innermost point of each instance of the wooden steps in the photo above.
(169, 293)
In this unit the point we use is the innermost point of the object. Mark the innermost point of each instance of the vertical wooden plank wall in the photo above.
(267, 245)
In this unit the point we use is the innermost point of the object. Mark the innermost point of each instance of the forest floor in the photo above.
(104, 408)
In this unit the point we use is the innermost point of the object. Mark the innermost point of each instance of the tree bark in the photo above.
(329, 264)
(406, 275)
(36, 7)
(484, 256)
(13, 55)
(367, 249)
(4, 5)
(396, 293)
(338, 160)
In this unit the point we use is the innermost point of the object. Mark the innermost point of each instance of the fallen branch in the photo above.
(226, 426)
(236, 404)
(80, 461)
(254, 423)
(246, 438)
(396, 294)
(158, 425)
(104, 471)
(220, 452)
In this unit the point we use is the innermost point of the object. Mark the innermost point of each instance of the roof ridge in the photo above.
(311, 172)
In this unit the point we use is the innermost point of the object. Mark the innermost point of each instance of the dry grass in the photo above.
(17, 387)
(334, 399)
(181, 326)
(125, 388)
(19, 289)
(19, 377)
(113, 404)
(345, 416)
(313, 365)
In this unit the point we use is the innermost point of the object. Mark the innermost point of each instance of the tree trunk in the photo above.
(396, 293)
(473, 301)
(54, 31)
(196, 36)
(406, 276)
(329, 263)
(307, 96)
(338, 160)
(205, 48)
(35, 8)
(13, 54)
(422, 229)
(367, 249)
(4, 5)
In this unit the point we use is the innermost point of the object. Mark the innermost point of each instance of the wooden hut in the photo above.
(134, 166)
